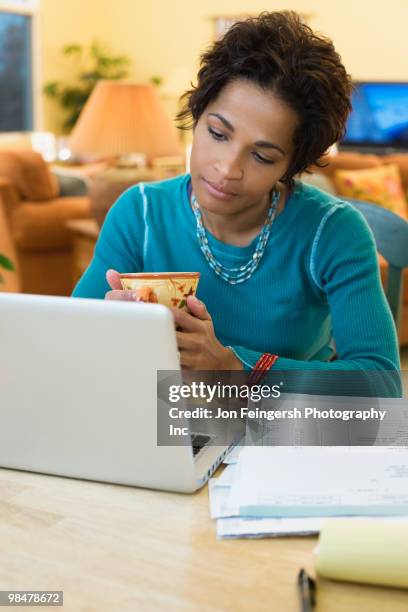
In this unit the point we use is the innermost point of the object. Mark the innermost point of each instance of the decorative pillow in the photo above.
(401, 159)
(380, 185)
(346, 161)
(29, 174)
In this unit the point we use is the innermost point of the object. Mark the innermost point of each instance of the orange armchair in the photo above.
(35, 219)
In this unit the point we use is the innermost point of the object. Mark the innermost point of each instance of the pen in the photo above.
(307, 591)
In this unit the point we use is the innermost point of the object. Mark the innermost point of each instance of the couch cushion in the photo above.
(380, 185)
(401, 159)
(41, 227)
(29, 174)
(71, 185)
(346, 161)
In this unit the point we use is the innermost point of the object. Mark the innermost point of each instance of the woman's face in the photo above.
(243, 144)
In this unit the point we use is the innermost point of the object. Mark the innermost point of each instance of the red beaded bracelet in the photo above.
(264, 363)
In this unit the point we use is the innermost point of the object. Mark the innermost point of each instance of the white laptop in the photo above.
(78, 393)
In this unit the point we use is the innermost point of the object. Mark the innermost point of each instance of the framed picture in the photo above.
(222, 23)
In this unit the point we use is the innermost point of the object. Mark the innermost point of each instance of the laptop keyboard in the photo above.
(198, 441)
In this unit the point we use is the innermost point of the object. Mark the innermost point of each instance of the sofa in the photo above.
(33, 216)
(328, 178)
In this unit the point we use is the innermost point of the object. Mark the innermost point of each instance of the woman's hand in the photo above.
(117, 292)
(198, 346)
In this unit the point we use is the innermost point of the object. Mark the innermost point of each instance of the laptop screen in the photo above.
(379, 116)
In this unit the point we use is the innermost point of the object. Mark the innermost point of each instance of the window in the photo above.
(16, 66)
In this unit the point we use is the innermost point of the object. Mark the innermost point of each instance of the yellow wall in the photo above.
(60, 22)
(164, 37)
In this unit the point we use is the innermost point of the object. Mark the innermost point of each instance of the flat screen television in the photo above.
(379, 118)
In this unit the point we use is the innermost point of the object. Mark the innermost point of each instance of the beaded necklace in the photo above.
(244, 272)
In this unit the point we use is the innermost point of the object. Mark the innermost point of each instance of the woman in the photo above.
(286, 269)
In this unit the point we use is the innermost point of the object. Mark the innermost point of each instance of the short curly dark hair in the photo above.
(279, 53)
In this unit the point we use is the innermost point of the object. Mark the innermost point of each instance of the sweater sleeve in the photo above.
(343, 269)
(119, 246)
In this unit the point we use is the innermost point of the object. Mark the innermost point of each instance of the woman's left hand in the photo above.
(198, 345)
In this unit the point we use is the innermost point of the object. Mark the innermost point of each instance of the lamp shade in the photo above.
(122, 117)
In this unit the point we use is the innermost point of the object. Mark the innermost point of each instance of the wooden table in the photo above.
(85, 234)
(114, 548)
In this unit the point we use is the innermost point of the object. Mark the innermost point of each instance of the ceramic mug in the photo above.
(168, 288)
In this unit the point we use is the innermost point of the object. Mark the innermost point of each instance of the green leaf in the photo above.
(96, 50)
(156, 80)
(93, 76)
(73, 98)
(51, 89)
(104, 62)
(72, 49)
(182, 304)
(6, 263)
(120, 60)
(119, 75)
(71, 120)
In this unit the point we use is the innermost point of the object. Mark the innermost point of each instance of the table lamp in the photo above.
(125, 120)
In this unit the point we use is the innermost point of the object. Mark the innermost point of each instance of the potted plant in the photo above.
(6, 264)
(95, 63)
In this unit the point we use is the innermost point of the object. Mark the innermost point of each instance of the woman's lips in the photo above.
(216, 193)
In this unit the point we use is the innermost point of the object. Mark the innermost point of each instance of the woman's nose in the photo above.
(230, 168)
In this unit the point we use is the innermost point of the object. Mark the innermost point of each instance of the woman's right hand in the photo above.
(117, 292)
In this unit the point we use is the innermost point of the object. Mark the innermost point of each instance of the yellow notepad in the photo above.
(364, 550)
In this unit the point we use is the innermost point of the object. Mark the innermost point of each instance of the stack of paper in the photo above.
(270, 491)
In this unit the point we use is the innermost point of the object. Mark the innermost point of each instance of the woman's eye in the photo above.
(215, 135)
(259, 158)
(263, 160)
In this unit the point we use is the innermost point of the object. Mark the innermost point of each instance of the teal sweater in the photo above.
(318, 279)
